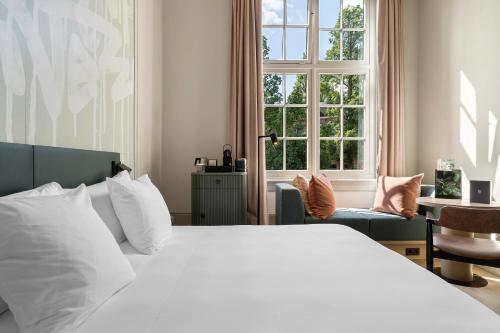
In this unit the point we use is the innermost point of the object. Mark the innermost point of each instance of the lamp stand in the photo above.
(274, 141)
(258, 177)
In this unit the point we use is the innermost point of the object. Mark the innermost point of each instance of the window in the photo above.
(341, 120)
(341, 32)
(318, 87)
(285, 29)
(286, 111)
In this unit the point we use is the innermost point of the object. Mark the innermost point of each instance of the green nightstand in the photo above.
(219, 198)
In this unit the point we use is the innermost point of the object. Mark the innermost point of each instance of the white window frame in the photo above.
(313, 67)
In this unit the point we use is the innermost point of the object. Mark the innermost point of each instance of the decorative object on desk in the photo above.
(240, 165)
(449, 184)
(227, 159)
(200, 163)
(480, 191)
(218, 168)
(445, 164)
(212, 162)
(274, 141)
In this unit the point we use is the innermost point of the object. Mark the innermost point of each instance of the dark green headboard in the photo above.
(16, 168)
(71, 167)
(24, 167)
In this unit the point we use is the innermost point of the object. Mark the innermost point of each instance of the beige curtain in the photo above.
(391, 156)
(246, 104)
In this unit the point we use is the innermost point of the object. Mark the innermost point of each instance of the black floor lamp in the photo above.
(274, 141)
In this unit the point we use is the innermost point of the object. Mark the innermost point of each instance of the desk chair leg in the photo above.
(429, 247)
(430, 260)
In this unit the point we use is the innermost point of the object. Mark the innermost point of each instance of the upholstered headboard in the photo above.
(23, 167)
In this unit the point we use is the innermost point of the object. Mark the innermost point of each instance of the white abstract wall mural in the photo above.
(67, 73)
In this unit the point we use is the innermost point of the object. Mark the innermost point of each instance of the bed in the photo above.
(307, 278)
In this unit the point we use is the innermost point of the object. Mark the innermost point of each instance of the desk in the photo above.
(451, 269)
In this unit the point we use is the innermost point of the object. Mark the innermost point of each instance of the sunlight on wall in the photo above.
(496, 182)
(465, 185)
(468, 96)
(492, 130)
(468, 117)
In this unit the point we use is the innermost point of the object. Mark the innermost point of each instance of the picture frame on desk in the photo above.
(448, 184)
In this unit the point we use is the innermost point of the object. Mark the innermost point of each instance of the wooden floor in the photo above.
(488, 295)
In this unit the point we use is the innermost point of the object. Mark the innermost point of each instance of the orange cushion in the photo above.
(398, 195)
(321, 197)
(302, 184)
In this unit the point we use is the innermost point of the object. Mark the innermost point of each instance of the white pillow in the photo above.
(101, 201)
(142, 211)
(47, 189)
(58, 261)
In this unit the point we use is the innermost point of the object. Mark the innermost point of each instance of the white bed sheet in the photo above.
(308, 278)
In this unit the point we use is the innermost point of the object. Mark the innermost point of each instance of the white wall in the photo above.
(196, 91)
(149, 87)
(458, 87)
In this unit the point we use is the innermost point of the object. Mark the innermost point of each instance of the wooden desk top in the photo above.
(439, 203)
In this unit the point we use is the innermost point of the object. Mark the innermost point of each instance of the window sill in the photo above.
(339, 185)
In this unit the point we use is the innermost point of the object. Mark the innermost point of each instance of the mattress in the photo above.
(306, 278)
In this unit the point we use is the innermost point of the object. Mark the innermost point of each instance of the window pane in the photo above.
(296, 89)
(273, 89)
(296, 122)
(329, 85)
(353, 47)
(353, 154)
(354, 89)
(329, 155)
(272, 11)
(274, 155)
(297, 12)
(296, 155)
(272, 41)
(296, 43)
(353, 122)
(329, 122)
(329, 46)
(329, 13)
(273, 120)
(353, 14)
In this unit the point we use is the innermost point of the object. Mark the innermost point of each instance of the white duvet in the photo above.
(308, 278)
